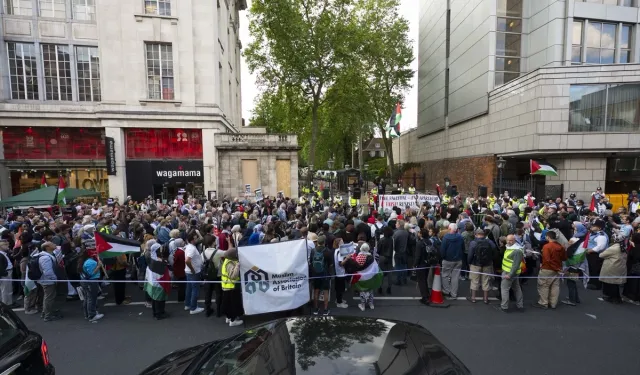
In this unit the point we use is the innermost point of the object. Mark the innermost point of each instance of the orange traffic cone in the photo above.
(437, 299)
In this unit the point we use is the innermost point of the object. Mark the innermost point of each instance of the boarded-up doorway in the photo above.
(250, 174)
(283, 175)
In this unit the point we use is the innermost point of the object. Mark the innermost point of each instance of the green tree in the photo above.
(298, 44)
(385, 55)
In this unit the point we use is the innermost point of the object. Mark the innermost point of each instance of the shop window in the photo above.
(52, 143)
(163, 143)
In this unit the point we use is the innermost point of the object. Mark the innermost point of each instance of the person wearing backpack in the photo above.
(320, 264)
(427, 256)
(44, 274)
(211, 274)
(482, 251)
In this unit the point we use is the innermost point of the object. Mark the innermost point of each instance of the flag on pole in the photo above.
(592, 206)
(43, 181)
(542, 168)
(393, 130)
(109, 246)
(61, 200)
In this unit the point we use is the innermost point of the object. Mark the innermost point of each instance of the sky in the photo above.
(408, 9)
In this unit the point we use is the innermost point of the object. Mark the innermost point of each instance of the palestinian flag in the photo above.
(393, 130)
(43, 181)
(542, 168)
(158, 281)
(109, 246)
(368, 279)
(61, 199)
(580, 255)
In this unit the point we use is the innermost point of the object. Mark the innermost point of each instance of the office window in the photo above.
(576, 48)
(23, 70)
(160, 71)
(88, 65)
(625, 44)
(56, 61)
(53, 8)
(604, 108)
(84, 10)
(159, 7)
(509, 8)
(601, 43)
(606, 2)
(18, 7)
(508, 41)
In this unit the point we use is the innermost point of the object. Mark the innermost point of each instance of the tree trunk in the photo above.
(314, 131)
(388, 146)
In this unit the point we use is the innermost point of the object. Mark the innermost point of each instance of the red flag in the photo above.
(530, 202)
(43, 181)
(585, 244)
(592, 206)
(438, 190)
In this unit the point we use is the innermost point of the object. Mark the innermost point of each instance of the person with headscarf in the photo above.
(576, 266)
(231, 288)
(177, 261)
(157, 290)
(256, 236)
(614, 269)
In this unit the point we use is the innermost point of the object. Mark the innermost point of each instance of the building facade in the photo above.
(528, 79)
(156, 80)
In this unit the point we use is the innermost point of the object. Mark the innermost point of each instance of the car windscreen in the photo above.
(9, 332)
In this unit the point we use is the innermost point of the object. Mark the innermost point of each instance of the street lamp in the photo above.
(330, 164)
(500, 163)
(366, 174)
(310, 177)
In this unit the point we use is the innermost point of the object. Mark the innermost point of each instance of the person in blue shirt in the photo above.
(90, 274)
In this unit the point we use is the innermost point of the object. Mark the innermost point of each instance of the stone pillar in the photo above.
(118, 183)
(5, 176)
(210, 161)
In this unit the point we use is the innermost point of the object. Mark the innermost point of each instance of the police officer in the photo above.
(412, 190)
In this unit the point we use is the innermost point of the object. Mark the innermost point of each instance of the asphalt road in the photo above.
(593, 338)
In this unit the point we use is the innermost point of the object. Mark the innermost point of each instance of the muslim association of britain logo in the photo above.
(256, 280)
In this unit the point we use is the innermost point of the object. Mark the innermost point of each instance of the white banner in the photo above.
(387, 202)
(275, 276)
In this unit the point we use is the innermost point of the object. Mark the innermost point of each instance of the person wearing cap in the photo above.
(572, 214)
(598, 194)
(598, 242)
(480, 258)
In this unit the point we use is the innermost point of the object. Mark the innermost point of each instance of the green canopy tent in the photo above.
(44, 197)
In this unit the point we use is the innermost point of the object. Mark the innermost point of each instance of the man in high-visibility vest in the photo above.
(353, 202)
(230, 275)
(513, 257)
(412, 190)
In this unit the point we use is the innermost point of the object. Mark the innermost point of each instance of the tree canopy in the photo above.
(329, 71)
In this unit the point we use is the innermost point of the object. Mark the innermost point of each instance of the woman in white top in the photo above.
(341, 279)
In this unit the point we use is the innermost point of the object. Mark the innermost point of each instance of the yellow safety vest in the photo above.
(227, 283)
(412, 190)
(446, 199)
(353, 202)
(374, 191)
(492, 201)
(507, 261)
(105, 230)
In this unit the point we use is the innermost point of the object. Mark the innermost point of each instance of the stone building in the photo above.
(528, 79)
(153, 86)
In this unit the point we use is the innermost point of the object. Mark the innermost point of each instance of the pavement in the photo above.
(592, 338)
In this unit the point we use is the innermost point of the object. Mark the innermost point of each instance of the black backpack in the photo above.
(482, 253)
(209, 269)
(34, 272)
(432, 255)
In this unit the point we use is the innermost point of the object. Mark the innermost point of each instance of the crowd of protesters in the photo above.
(498, 243)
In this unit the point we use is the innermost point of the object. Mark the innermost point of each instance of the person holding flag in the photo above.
(576, 266)
(89, 270)
(158, 282)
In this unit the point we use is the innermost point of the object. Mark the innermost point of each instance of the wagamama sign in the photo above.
(178, 173)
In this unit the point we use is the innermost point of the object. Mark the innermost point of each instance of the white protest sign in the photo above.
(387, 202)
(274, 276)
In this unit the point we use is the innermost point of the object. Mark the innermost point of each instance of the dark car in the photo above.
(318, 345)
(22, 352)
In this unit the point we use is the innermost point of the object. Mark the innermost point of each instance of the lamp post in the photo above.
(366, 174)
(310, 177)
(330, 164)
(500, 163)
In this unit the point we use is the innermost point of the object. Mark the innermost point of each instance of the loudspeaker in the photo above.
(325, 193)
(482, 191)
(356, 193)
(395, 192)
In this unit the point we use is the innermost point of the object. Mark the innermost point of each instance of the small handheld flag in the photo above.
(61, 199)
(43, 181)
(394, 121)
